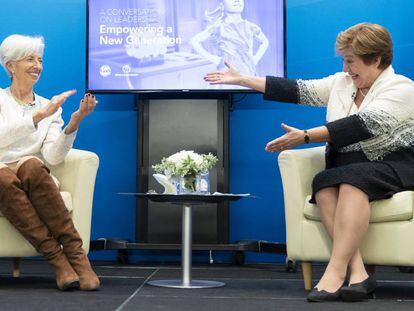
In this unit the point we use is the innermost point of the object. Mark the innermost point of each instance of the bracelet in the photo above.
(306, 138)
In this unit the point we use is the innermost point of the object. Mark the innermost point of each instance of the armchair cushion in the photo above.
(398, 208)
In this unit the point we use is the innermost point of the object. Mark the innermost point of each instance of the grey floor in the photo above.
(248, 287)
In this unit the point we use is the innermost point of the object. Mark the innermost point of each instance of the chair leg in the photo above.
(307, 274)
(16, 267)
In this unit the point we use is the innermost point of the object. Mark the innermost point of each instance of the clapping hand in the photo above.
(292, 138)
(56, 102)
(86, 107)
(228, 76)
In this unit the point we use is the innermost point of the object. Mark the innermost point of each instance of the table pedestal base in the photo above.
(186, 281)
(181, 284)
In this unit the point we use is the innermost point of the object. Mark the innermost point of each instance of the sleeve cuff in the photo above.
(280, 89)
(69, 139)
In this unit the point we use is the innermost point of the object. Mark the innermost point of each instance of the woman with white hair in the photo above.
(31, 136)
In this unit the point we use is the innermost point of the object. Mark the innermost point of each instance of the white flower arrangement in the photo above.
(186, 164)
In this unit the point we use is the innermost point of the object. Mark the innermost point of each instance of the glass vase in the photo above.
(203, 183)
(188, 184)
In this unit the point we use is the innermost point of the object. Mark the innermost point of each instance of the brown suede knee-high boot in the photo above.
(48, 202)
(17, 208)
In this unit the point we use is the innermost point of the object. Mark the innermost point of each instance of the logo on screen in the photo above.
(105, 71)
(126, 69)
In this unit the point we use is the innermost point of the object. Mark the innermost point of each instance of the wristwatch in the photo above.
(306, 138)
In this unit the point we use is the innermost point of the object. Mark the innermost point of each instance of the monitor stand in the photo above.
(166, 125)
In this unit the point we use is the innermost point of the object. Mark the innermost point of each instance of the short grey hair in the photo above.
(17, 47)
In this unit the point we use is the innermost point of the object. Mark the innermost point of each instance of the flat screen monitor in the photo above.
(169, 45)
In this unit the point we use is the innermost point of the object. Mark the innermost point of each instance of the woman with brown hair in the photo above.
(369, 138)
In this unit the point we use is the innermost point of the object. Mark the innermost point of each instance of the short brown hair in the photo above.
(368, 41)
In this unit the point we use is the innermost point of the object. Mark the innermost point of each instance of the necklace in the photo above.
(362, 93)
(21, 102)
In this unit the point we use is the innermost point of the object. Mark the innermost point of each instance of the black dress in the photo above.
(378, 179)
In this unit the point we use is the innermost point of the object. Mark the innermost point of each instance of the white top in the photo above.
(19, 137)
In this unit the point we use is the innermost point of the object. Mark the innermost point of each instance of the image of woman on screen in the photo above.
(31, 137)
(369, 146)
(233, 38)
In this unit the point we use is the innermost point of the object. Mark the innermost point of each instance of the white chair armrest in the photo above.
(77, 175)
(297, 168)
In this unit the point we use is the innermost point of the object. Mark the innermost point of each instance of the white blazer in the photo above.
(387, 110)
(338, 91)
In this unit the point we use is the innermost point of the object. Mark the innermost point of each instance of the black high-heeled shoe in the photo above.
(359, 291)
(319, 296)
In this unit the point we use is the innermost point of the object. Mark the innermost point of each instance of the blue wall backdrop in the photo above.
(312, 26)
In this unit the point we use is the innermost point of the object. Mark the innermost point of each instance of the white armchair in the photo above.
(390, 234)
(77, 181)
